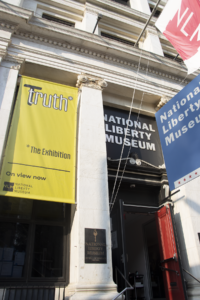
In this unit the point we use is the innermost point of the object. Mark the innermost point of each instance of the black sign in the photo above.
(141, 135)
(95, 246)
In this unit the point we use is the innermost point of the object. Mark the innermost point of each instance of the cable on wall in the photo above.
(142, 98)
(111, 204)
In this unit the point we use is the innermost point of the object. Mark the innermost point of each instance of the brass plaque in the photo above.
(95, 246)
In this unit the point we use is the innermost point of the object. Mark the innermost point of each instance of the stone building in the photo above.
(92, 45)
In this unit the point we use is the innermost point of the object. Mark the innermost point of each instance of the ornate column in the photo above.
(90, 278)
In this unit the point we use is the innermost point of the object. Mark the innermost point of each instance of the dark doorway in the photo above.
(145, 250)
(143, 257)
(153, 259)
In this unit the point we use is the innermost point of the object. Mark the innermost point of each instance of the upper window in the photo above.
(175, 58)
(58, 20)
(116, 38)
(156, 13)
(124, 2)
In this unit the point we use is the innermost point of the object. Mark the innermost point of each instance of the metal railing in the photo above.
(127, 288)
(32, 293)
(191, 275)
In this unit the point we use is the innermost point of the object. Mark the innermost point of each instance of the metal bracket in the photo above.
(170, 270)
(169, 259)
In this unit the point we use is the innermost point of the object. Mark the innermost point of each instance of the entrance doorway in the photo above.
(143, 256)
(145, 250)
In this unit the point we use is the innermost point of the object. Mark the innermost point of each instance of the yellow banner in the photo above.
(40, 157)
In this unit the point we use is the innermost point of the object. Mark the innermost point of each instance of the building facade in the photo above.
(91, 45)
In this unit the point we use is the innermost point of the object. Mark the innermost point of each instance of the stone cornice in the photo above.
(110, 75)
(109, 15)
(15, 11)
(8, 26)
(14, 61)
(117, 51)
(66, 4)
(97, 42)
(113, 6)
(2, 53)
(99, 55)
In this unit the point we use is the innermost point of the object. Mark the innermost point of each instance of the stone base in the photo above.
(91, 292)
(193, 290)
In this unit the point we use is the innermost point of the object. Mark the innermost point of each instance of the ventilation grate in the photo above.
(57, 20)
(116, 38)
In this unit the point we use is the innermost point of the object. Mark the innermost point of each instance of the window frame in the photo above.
(41, 281)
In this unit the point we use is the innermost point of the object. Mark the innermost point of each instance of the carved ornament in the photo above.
(91, 81)
(162, 102)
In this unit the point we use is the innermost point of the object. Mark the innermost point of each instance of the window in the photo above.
(57, 20)
(124, 2)
(48, 251)
(116, 38)
(13, 246)
(156, 13)
(175, 58)
(34, 240)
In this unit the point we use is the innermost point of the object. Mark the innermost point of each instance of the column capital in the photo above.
(13, 62)
(91, 82)
(163, 100)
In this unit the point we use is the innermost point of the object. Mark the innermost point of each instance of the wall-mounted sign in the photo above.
(40, 156)
(179, 125)
(95, 246)
(141, 135)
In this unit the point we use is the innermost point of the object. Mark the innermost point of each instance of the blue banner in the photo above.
(179, 129)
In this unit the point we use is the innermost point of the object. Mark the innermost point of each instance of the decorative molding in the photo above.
(110, 75)
(15, 10)
(115, 16)
(99, 55)
(9, 26)
(162, 102)
(123, 9)
(16, 67)
(15, 61)
(91, 81)
(91, 10)
(3, 53)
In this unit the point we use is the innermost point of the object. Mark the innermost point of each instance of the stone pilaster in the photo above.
(152, 43)
(90, 280)
(9, 70)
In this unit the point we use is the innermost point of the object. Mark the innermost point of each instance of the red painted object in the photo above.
(173, 282)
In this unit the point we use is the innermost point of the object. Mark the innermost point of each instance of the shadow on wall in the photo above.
(189, 256)
(190, 262)
(4, 76)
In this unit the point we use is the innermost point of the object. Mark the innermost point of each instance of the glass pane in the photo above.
(13, 241)
(48, 251)
(52, 211)
(16, 207)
